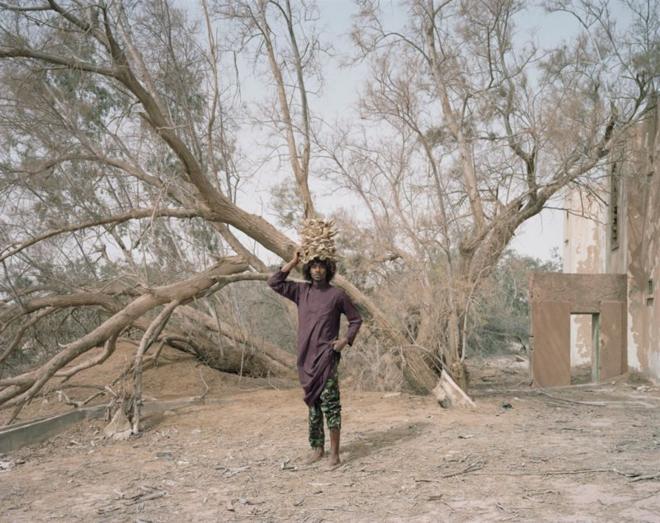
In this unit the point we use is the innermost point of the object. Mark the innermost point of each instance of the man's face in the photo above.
(317, 272)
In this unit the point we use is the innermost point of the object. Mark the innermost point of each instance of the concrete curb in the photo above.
(30, 432)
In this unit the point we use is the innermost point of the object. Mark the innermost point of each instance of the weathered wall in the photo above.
(641, 188)
(631, 243)
(616, 254)
(585, 221)
(585, 237)
(553, 298)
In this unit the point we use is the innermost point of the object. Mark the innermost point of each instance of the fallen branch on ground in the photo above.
(472, 467)
(564, 473)
(576, 402)
(648, 477)
(79, 404)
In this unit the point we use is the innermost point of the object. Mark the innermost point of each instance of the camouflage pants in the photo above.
(328, 404)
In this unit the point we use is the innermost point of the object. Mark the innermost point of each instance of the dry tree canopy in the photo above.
(131, 151)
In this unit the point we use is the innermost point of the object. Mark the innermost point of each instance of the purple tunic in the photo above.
(319, 309)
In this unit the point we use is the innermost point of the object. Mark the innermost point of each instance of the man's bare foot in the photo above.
(315, 455)
(334, 460)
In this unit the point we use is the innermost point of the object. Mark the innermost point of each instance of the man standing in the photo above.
(320, 306)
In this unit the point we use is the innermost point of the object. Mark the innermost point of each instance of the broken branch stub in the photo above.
(150, 335)
(449, 394)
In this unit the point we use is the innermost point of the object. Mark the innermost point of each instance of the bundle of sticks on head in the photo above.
(318, 240)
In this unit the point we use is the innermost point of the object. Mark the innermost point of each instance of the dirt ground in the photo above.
(587, 453)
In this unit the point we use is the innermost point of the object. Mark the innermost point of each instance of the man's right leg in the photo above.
(316, 432)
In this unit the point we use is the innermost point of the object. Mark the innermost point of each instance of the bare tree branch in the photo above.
(133, 214)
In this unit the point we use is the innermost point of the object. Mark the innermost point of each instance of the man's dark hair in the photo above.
(330, 269)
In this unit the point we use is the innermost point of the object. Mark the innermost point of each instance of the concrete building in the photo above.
(612, 263)
(633, 241)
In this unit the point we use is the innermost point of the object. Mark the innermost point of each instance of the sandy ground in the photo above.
(589, 453)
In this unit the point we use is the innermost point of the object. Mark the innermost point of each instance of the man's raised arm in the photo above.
(278, 283)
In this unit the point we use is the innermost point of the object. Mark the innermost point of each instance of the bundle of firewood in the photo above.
(318, 240)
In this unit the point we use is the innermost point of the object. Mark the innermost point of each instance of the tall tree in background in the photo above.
(469, 132)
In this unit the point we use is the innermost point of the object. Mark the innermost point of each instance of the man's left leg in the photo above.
(331, 407)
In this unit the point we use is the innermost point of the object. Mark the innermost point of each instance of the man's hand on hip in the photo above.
(339, 344)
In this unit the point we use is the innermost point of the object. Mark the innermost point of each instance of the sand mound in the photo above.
(176, 375)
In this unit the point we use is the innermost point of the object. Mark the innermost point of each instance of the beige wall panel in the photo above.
(612, 340)
(583, 291)
(551, 358)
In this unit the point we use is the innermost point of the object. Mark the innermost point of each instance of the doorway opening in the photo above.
(585, 348)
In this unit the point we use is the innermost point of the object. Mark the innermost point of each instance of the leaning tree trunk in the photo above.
(18, 390)
(120, 65)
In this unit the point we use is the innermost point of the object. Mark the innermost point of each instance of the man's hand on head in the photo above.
(293, 263)
(339, 344)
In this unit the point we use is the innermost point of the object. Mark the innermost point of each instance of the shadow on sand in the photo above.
(366, 443)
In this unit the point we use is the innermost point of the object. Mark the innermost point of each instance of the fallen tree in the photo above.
(109, 63)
